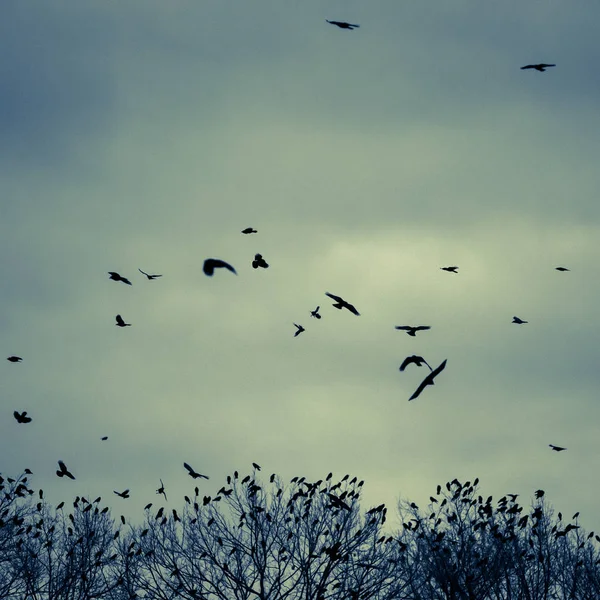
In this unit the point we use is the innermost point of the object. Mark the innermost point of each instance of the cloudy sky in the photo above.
(147, 134)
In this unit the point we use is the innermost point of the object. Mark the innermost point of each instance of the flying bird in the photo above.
(300, 329)
(259, 261)
(450, 269)
(123, 494)
(257, 467)
(412, 330)
(343, 25)
(519, 321)
(428, 380)
(120, 322)
(63, 471)
(249, 230)
(22, 417)
(341, 303)
(562, 269)
(14, 359)
(104, 438)
(556, 448)
(315, 313)
(414, 359)
(541, 67)
(150, 277)
(194, 474)
(116, 277)
(161, 490)
(210, 264)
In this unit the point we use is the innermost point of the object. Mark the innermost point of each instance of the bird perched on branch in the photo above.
(428, 380)
(412, 330)
(194, 474)
(341, 303)
(210, 264)
(116, 277)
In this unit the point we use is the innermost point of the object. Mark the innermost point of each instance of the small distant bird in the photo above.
(259, 261)
(123, 494)
(14, 359)
(315, 313)
(343, 25)
(541, 67)
(519, 321)
(120, 322)
(412, 330)
(300, 329)
(210, 264)
(428, 380)
(341, 303)
(63, 471)
(249, 230)
(450, 269)
(150, 277)
(257, 467)
(539, 494)
(161, 490)
(22, 417)
(556, 448)
(116, 277)
(194, 474)
(562, 269)
(104, 438)
(416, 360)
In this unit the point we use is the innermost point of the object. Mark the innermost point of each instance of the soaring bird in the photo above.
(249, 230)
(541, 67)
(14, 359)
(562, 269)
(116, 277)
(299, 329)
(194, 474)
(412, 330)
(150, 277)
(63, 471)
(123, 494)
(428, 380)
(450, 269)
(414, 359)
(161, 490)
(556, 448)
(341, 303)
(120, 322)
(259, 261)
(210, 264)
(22, 417)
(343, 25)
(315, 313)
(519, 321)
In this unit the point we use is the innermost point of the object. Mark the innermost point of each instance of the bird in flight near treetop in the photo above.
(540, 67)
(343, 24)
(341, 303)
(150, 277)
(428, 380)
(123, 494)
(210, 264)
(194, 474)
(116, 277)
(63, 471)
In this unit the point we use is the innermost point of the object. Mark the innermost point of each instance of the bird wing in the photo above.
(125, 280)
(146, 274)
(438, 370)
(189, 469)
(352, 309)
(334, 297)
(528, 67)
(421, 387)
(422, 328)
(403, 327)
(407, 361)
(119, 319)
(211, 263)
(62, 466)
(544, 65)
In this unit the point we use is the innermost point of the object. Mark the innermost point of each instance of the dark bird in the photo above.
(300, 329)
(519, 321)
(210, 264)
(193, 474)
(341, 303)
(14, 359)
(414, 359)
(161, 490)
(556, 448)
(63, 471)
(450, 269)
(150, 277)
(259, 261)
(343, 25)
(257, 467)
(116, 277)
(539, 494)
(104, 438)
(562, 269)
(123, 494)
(541, 67)
(249, 230)
(412, 330)
(22, 417)
(315, 313)
(120, 322)
(428, 380)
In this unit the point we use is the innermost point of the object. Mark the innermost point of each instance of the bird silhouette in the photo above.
(194, 474)
(249, 230)
(315, 313)
(343, 25)
(519, 321)
(22, 417)
(116, 277)
(556, 448)
(414, 359)
(210, 264)
(150, 277)
(428, 380)
(120, 322)
(540, 67)
(562, 269)
(257, 467)
(63, 471)
(161, 490)
(341, 303)
(14, 359)
(300, 329)
(259, 261)
(450, 269)
(539, 494)
(412, 330)
(104, 438)
(123, 494)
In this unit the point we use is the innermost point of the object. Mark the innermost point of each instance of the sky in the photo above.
(148, 134)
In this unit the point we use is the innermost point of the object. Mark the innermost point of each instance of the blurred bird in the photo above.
(210, 264)
(259, 261)
(104, 438)
(14, 359)
(341, 303)
(540, 67)
(257, 467)
(161, 490)
(519, 321)
(120, 322)
(556, 448)
(123, 494)
(116, 277)
(300, 329)
(450, 269)
(249, 230)
(150, 277)
(343, 25)
(194, 474)
(315, 313)
(22, 417)
(539, 494)
(428, 380)
(63, 471)
(414, 359)
(412, 330)
(562, 269)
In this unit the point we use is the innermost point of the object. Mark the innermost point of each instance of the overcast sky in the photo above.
(148, 133)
